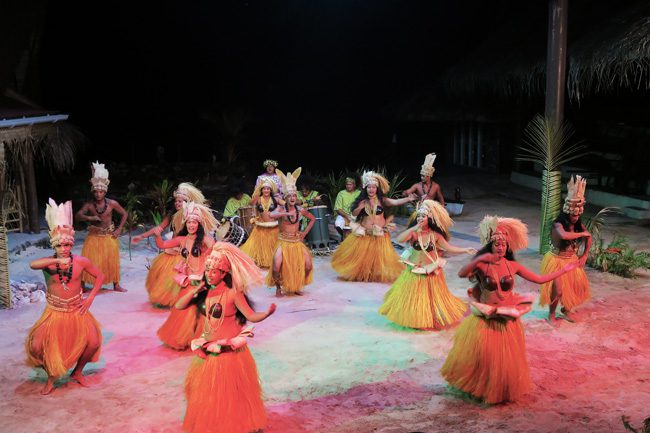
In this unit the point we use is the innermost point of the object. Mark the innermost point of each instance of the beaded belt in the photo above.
(99, 231)
(563, 254)
(63, 305)
(290, 237)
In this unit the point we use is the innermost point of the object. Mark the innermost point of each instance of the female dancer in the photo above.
(488, 359)
(292, 261)
(67, 334)
(161, 286)
(369, 254)
(195, 243)
(419, 298)
(571, 289)
(222, 385)
(264, 236)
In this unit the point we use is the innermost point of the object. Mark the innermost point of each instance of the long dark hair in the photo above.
(432, 225)
(196, 247)
(364, 196)
(239, 316)
(488, 249)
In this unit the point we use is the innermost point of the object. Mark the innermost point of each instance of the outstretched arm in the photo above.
(157, 229)
(450, 248)
(247, 311)
(400, 201)
(171, 243)
(412, 190)
(531, 276)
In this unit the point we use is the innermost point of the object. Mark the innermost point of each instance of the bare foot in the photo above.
(118, 288)
(566, 315)
(278, 292)
(553, 320)
(78, 377)
(48, 388)
(299, 294)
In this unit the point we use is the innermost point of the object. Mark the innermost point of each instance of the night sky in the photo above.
(307, 74)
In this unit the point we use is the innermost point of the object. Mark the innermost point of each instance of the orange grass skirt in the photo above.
(422, 301)
(488, 360)
(180, 328)
(104, 253)
(261, 245)
(292, 270)
(224, 394)
(367, 258)
(160, 284)
(65, 337)
(574, 284)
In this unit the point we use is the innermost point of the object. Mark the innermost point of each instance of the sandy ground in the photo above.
(330, 363)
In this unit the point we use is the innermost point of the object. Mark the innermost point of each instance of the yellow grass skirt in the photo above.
(224, 394)
(160, 284)
(261, 245)
(422, 301)
(180, 328)
(64, 336)
(367, 258)
(574, 284)
(488, 360)
(104, 253)
(292, 271)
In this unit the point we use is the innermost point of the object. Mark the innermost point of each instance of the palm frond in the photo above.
(547, 143)
(596, 223)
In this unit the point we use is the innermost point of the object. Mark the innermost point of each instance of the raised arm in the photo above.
(407, 235)
(247, 311)
(187, 294)
(359, 208)
(467, 270)
(46, 262)
(569, 236)
(400, 201)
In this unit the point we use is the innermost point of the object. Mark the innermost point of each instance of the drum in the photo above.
(230, 232)
(246, 213)
(319, 235)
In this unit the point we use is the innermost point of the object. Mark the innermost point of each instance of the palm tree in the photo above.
(545, 142)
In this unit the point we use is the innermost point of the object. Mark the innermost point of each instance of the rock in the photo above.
(37, 296)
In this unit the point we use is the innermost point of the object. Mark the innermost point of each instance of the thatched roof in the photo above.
(608, 54)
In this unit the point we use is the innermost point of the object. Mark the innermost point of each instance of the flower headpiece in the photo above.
(512, 230)
(437, 212)
(59, 220)
(574, 203)
(189, 192)
(289, 180)
(99, 179)
(268, 162)
(372, 178)
(229, 258)
(427, 168)
(265, 181)
(199, 212)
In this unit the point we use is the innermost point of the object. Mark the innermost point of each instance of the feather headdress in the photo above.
(59, 221)
(229, 258)
(99, 179)
(372, 178)
(512, 230)
(289, 180)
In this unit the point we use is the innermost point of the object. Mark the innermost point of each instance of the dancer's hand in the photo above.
(116, 233)
(583, 260)
(64, 262)
(86, 303)
(271, 310)
(470, 251)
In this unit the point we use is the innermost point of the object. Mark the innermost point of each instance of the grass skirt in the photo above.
(574, 284)
(160, 284)
(367, 258)
(180, 328)
(104, 253)
(422, 301)
(224, 395)
(261, 245)
(64, 337)
(292, 271)
(488, 360)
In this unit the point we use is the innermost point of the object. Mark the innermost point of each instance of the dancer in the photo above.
(419, 298)
(368, 254)
(427, 189)
(488, 358)
(66, 334)
(567, 234)
(343, 206)
(161, 286)
(222, 386)
(292, 260)
(261, 242)
(195, 243)
(101, 246)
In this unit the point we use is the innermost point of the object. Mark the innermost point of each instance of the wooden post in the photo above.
(556, 60)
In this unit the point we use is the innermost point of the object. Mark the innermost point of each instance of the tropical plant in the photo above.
(161, 195)
(546, 143)
(617, 257)
(628, 426)
(133, 215)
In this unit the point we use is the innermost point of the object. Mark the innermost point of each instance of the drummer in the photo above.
(238, 199)
(343, 204)
(306, 197)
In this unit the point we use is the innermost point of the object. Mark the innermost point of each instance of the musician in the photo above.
(343, 204)
(238, 199)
